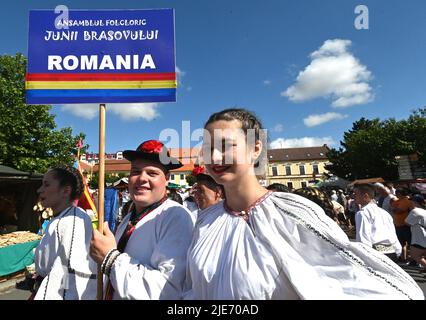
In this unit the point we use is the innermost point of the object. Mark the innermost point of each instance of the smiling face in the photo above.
(51, 194)
(226, 153)
(147, 183)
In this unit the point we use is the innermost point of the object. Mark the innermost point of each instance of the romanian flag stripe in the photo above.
(97, 100)
(61, 96)
(100, 92)
(86, 85)
(99, 76)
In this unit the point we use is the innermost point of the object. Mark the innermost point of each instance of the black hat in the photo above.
(153, 150)
(200, 174)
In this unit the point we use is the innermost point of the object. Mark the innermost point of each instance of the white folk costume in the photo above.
(375, 228)
(192, 207)
(417, 221)
(287, 249)
(153, 263)
(62, 258)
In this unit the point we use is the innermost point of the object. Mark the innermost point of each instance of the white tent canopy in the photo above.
(121, 181)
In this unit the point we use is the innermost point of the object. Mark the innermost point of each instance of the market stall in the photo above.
(16, 251)
(18, 222)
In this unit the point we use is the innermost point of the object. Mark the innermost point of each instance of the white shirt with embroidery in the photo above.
(67, 235)
(374, 225)
(153, 264)
(289, 249)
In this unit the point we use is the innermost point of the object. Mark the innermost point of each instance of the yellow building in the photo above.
(296, 167)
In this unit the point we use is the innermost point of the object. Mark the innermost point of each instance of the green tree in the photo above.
(28, 139)
(190, 179)
(369, 148)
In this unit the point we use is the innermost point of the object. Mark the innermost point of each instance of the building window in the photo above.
(304, 184)
(172, 177)
(288, 170)
(315, 168)
(182, 176)
(274, 171)
(290, 185)
(302, 169)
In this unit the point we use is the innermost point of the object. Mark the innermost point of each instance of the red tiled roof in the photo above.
(295, 154)
(185, 168)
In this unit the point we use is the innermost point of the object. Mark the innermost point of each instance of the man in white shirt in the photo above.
(374, 226)
(386, 196)
(417, 221)
(334, 195)
(147, 258)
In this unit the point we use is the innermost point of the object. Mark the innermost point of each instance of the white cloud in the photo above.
(126, 111)
(333, 72)
(301, 142)
(86, 111)
(317, 119)
(278, 128)
(134, 111)
(267, 82)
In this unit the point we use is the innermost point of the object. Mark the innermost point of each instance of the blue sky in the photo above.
(301, 66)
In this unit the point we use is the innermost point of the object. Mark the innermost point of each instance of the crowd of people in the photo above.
(229, 238)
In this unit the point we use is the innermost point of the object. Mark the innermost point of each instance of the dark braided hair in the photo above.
(248, 121)
(70, 176)
(319, 197)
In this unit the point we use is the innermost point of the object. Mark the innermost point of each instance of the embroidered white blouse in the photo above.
(154, 262)
(62, 258)
(289, 249)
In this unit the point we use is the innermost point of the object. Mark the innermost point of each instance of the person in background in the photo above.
(207, 192)
(320, 198)
(352, 207)
(340, 213)
(173, 195)
(385, 196)
(278, 187)
(62, 262)
(341, 198)
(146, 259)
(400, 209)
(334, 195)
(374, 226)
(259, 244)
(416, 219)
(391, 188)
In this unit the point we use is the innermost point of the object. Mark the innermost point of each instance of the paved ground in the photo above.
(8, 290)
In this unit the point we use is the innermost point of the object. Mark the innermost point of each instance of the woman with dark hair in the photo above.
(278, 187)
(320, 198)
(259, 244)
(62, 262)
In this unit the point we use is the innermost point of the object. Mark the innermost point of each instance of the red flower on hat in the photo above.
(151, 146)
(197, 171)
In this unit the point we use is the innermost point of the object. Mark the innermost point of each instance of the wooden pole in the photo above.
(101, 188)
